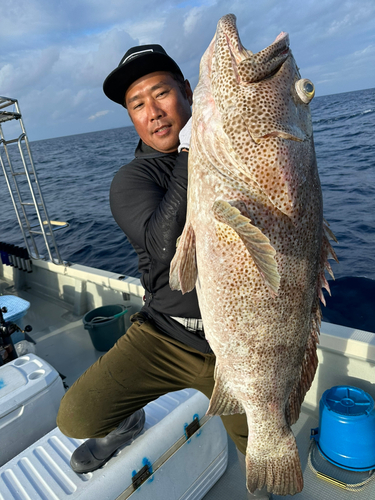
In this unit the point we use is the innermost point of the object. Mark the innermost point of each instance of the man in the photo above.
(165, 349)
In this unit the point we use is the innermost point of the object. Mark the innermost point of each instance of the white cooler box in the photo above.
(30, 394)
(180, 454)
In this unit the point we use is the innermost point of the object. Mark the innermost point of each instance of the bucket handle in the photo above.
(102, 319)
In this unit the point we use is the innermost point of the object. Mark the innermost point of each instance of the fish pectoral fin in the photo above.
(222, 402)
(183, 270)
(241, 207)
(257, 243)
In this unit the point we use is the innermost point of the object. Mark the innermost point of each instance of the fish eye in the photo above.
(305, 90)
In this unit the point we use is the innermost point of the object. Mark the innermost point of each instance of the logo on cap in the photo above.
(135, 54)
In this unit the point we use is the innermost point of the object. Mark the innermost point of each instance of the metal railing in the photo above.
(36, 223)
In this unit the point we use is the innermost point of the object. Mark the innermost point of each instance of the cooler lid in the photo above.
(22, 379)
(11, 379)
(162, 437)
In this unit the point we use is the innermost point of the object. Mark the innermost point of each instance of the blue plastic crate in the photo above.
(17, 307)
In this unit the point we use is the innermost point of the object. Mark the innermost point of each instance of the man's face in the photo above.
(158, 109)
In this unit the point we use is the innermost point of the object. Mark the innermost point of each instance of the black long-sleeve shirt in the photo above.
(148, 201)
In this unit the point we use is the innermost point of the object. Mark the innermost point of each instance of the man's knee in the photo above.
(75, 420)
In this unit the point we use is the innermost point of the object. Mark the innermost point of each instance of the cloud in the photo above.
(56, 55)
(356, 65)
(98, 114)
(31, 68)
(191, 20)
(25, 18)
(146, 32)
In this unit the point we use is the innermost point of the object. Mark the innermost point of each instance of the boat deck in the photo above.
(60, 337)
(64, 343)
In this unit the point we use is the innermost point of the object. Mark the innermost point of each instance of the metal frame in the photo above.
(37, 201)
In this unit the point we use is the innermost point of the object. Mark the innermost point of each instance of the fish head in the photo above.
(265, 87)
(260, 106)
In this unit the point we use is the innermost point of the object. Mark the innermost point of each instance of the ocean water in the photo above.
(75, 173)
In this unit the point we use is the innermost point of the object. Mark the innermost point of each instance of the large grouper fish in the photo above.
(255, 244)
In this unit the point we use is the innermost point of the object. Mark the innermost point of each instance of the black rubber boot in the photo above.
(94, 453)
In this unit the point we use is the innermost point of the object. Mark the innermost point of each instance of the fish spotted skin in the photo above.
(255, 245)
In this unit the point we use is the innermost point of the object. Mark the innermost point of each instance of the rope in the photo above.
(350, 487)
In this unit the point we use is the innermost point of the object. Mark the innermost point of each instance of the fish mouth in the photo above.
(247, 66)
(266, 63)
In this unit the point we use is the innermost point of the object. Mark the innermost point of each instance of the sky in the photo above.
(55, 54)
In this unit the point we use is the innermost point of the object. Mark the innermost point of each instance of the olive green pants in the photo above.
(143, 365)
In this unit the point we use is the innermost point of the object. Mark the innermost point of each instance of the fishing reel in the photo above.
(7, 328)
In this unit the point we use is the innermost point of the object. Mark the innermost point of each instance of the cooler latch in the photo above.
(141, 476)
(192, 427)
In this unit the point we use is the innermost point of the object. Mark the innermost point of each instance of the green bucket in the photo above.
(105, 325)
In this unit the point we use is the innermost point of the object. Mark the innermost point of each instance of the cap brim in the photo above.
(119, 80)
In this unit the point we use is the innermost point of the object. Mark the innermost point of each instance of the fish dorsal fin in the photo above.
(257, 243)
(183, 271)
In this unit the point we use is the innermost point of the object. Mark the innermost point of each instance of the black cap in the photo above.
(137, 62)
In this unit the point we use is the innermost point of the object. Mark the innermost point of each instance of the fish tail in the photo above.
(280, 473)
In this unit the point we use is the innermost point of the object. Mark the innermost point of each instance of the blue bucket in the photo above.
(346, 434)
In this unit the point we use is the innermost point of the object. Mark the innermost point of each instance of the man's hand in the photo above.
(185, 135)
